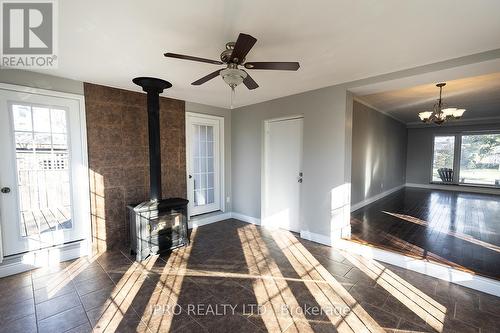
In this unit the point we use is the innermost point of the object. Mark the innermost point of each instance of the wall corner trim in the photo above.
(317, 238)
(376, 198)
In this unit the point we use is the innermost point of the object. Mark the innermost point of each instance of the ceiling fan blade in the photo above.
(186, 57)
(250, 83)
(206, 78)
(280, 66)
(241, 48)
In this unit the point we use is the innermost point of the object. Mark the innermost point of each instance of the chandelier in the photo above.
(440, 112)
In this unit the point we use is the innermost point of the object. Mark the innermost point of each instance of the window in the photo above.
(203, 165)
(42, 157)
(467, 159)
(443, 160)
(480, 159)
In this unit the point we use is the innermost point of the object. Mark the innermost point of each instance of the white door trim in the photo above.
(82, 182)
(265, 148)
(222, 191)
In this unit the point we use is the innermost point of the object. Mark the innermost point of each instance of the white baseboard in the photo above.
(457, 188)
(201, 220)
(375, 198)
(305, 234)
(439, 271)
(42, 258)
(317, 238)
(245, 218)
(198, 221)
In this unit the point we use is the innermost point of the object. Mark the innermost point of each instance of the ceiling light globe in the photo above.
(233, 76)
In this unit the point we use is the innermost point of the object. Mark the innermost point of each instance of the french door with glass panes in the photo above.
(42, 171)
(203, 163)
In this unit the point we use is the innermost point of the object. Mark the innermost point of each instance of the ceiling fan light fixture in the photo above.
(233, 76)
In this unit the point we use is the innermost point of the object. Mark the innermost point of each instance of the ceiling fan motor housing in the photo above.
(225, 56)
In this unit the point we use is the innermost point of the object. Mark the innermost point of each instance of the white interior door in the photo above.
(42, 172)
(204, 163)
(283, 173)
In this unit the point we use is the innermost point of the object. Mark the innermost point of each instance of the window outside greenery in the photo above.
(480, 159)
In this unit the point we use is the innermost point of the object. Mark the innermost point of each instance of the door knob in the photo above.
(5, 190)
(190, 176)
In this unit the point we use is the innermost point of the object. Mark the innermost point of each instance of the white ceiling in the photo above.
(110, 42)
(480, 95)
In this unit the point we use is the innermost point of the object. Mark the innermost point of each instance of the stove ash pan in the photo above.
(157, 226)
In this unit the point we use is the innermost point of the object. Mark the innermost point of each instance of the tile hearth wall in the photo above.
(117, 135)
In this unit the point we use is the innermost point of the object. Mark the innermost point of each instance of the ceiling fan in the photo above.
(234, 56)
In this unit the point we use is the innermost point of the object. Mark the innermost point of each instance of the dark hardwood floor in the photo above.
(454, 228)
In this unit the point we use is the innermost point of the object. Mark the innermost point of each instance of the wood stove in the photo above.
(157, 225)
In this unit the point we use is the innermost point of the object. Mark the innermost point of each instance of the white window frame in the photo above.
(458, 156)
(221, 159)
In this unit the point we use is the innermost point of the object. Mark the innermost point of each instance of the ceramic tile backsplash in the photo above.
(117, 134)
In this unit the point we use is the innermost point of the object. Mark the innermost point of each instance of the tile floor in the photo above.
(237, 277)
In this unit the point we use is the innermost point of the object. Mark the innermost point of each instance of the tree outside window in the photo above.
(480, 159)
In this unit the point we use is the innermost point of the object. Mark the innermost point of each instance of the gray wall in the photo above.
(378, 153)
(419, 151)
(226, 113)
(325, 141)
(41, 81)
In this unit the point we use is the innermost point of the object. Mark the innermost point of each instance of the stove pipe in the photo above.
(153, 87)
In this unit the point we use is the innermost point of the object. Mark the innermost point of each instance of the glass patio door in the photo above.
(203, 164)
(41, 155)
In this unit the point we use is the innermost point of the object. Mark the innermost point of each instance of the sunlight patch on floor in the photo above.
(273, 292)
(63, 277)
(332, 294)
(455, 234)
(116, 306)
(429, 310)
(167, 290)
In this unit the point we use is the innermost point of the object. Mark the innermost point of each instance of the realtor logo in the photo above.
(28, 34)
